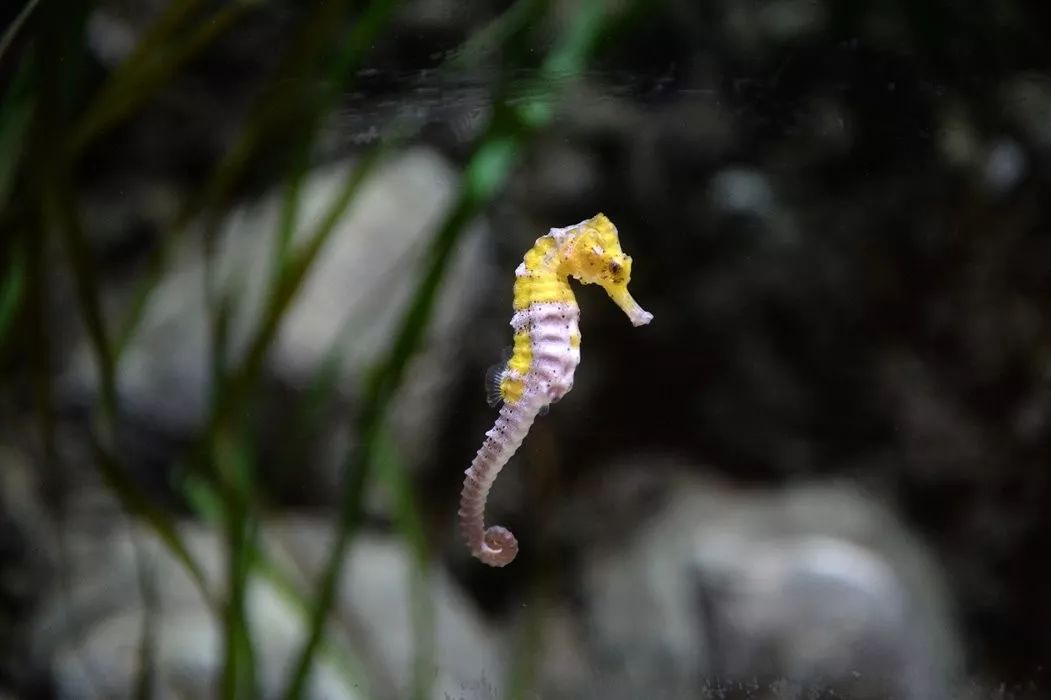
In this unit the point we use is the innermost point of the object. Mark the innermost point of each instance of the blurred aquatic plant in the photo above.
(52, 114)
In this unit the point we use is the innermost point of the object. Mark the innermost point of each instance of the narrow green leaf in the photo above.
(392, 475)
(484, 174)
(67, 220)
(173, 18)
(138, 504)
(131, 88)
(16, 113)
(231, 392)
(146, 673)
(12, 287)
(10, 33)
(210, 507)
(377, 397)
(235, 460)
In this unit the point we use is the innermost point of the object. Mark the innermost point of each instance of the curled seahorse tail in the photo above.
(495, 545)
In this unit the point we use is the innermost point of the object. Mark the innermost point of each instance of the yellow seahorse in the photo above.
(545, 355)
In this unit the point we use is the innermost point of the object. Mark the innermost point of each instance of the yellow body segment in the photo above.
(522, 355)
(542, 281)
(511, 389)
(537, 257)
(541, 286)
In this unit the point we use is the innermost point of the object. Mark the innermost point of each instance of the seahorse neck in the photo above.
(546, 259)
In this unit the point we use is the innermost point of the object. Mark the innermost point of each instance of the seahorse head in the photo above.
(591, 253)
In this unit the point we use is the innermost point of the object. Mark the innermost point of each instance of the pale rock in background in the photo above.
(350, 304)
(89, 630)
(811, 587)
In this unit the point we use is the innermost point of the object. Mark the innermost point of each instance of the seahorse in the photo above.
(545, 355)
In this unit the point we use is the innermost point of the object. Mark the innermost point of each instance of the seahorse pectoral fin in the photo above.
(494, 376)
(622, 298)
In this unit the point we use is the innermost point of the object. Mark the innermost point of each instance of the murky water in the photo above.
(258, 257)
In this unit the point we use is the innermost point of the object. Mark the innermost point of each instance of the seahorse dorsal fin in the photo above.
(494, 376)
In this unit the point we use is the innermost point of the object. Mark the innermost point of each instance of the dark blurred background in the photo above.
(256, 257)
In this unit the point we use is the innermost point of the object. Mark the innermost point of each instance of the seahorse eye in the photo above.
(614, 267)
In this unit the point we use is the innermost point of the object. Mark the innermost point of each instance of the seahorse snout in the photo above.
(635, 313)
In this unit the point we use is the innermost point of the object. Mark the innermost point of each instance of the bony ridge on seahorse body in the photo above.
(545, 355)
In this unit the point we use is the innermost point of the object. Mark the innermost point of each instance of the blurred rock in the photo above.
(117, 580)
(1027, 100)
(1005, 167)
(816, 588)
(438, 17)
(376, 604)
(958, 137)
(757, 27)
(743, 192)
(347, 309)
(110, 38)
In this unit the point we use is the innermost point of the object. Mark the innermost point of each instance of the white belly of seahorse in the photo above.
(555, 343)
